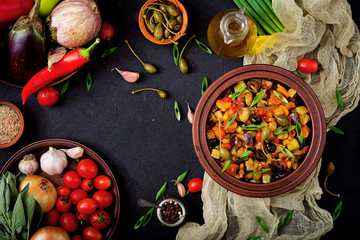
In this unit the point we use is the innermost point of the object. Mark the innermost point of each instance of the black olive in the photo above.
(253, 86)
(260, 156)
(213, 143)
(241, 124)
(239, 161)
(271, 147)
(255, 119)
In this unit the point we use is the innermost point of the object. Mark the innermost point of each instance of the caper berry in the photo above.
(172, 23)
(158, 17)
(173, 10)
(158, 32)
(265, 132)
(166, 33)
(183, 65)
(282, 120)
(149, 68)
(163, 8)
(224, 153)
(162, 94)
(179, 19)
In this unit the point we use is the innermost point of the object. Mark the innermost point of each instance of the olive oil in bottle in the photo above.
(232, 33)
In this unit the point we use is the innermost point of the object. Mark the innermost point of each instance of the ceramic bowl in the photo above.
(149, 36)
(318, 132)
(22, 124)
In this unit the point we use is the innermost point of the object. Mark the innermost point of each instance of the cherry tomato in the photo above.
(87, 168)
(52, 217)
(104, 199)
(72, 180)
(69, 222)
(86, 206)
(102, 182)
(63, 191)
(77, 237)
(106, 31)
(91, 233)
(195, 185)
(48, 96)
(100, 219)
(77, 195)
(87, 184)
(82, 217)
(63, 204)
(308, 65)
(258, 136)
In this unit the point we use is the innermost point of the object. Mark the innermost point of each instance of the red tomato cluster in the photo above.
(81, 202)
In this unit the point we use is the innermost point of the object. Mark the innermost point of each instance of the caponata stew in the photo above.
(258, 130)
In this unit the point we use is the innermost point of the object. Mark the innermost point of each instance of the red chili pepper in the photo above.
(69, 63)
(13, 9)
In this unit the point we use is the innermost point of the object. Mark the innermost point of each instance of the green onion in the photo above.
(337, 130)
(147, 217)
(269, 4)
(285, 130)
(262, 224)
(259, 29)
(177, 111)
(258, 97)
(279, 96)
(245, 154)
(204, 85)
(89, 81)
(227, 163)
(203, 46)
(182, 176)
(337, 211)
(139, 222)
(108, 52)
(261, 171)
(237, 93)
(285, 221)
(231, 120)
(271, 14)
(161, 192)
(176, 54)
(339, 100)
(285, 151)
(64, 87)
(263, 15)
(252, 127)
(298, 129)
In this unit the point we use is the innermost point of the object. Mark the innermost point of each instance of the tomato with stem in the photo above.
(63, 204)
(195, 185)
(48, 96)
(100, 219)
(106, 31)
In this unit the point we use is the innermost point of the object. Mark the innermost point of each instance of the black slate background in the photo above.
(138, 135)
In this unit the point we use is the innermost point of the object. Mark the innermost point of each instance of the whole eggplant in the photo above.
(26, 46)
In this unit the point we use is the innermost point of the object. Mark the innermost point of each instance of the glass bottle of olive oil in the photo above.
(232, 33)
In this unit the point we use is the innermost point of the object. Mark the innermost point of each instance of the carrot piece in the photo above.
(282, 90)
(285, 110)
(306, 131)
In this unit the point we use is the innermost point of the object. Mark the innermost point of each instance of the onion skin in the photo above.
(42, 189)
(75, 23)
(50, 232)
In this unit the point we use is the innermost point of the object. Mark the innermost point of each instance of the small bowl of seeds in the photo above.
(172, 213)
(163, 21)
(11, 124)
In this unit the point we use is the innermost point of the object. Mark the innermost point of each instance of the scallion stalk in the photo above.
(263, 15)
(270, 14)
(259, 29)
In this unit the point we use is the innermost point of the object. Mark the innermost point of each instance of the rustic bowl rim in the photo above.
(317, 120)
(22, 124)
(150, 37)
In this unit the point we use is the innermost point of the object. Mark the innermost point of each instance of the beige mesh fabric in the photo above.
(319, 29)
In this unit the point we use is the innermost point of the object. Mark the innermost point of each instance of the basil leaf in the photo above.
(108, 52)
(261, 171)
(182, 176)
(337, 130)
(252, 127)
(89, 81)
(285, 151)
(245, 154)
(177, 111)
(18, 216)
(337, 211)
(147, 217)
(231, 120)
(2, 196)
(227, 163)
(237, 93)
(204, 85)
(279, 96)
(285, 130)
(139, 222)
(298, 129)
(203, 46)
(30, 204)
(339, 100)
(258, 97)
(161, 192)
(176, 54)
(262, 224)
(64, 86)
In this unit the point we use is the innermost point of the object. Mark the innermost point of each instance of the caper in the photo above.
(163, 8)
(151, 26)
(166, 33)
(177, 27)
(282, 120)
(173, 10)
(330, 169)
(149, 68)
(158, 17)
(265, 132)
(179, 19)
(172, 23)
(224, 153)
(158, 32)
(183, 65)
(161, 93)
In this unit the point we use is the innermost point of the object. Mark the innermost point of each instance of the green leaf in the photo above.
(108, 52)
(337, 211)
(18, 217)
(177, 111)
(64, 87)
(231, 120)
(39, 215)
(298, 129)
(237, 93)
(139, 223)
(337, 130)
(204, 85)
(227, 163)
(176, 54)
(285, 151)
(2, 196)
(261, 171)
(279, 96)
(339, 100)
(245, 154)
(7, 199)
(182, 176)
(161, 192)
(89, 81)
(203, 46)
(258, 97)
(147, 217)
(285, 130)
(252, 127)
(262, 224)
(30, 205)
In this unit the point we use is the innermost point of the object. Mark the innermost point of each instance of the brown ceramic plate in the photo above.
(318, 127)
(38, 148)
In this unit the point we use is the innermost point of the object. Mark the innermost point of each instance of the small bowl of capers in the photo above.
(163, 21)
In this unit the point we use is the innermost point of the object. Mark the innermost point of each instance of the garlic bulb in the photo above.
(28, 165)
(74, 153)
(53, 161)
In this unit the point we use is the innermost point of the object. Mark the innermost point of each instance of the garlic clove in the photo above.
(127, 75)
(74, 153)
(190, 114)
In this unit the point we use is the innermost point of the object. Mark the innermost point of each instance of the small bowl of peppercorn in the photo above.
(11, 124)
(172, 212)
